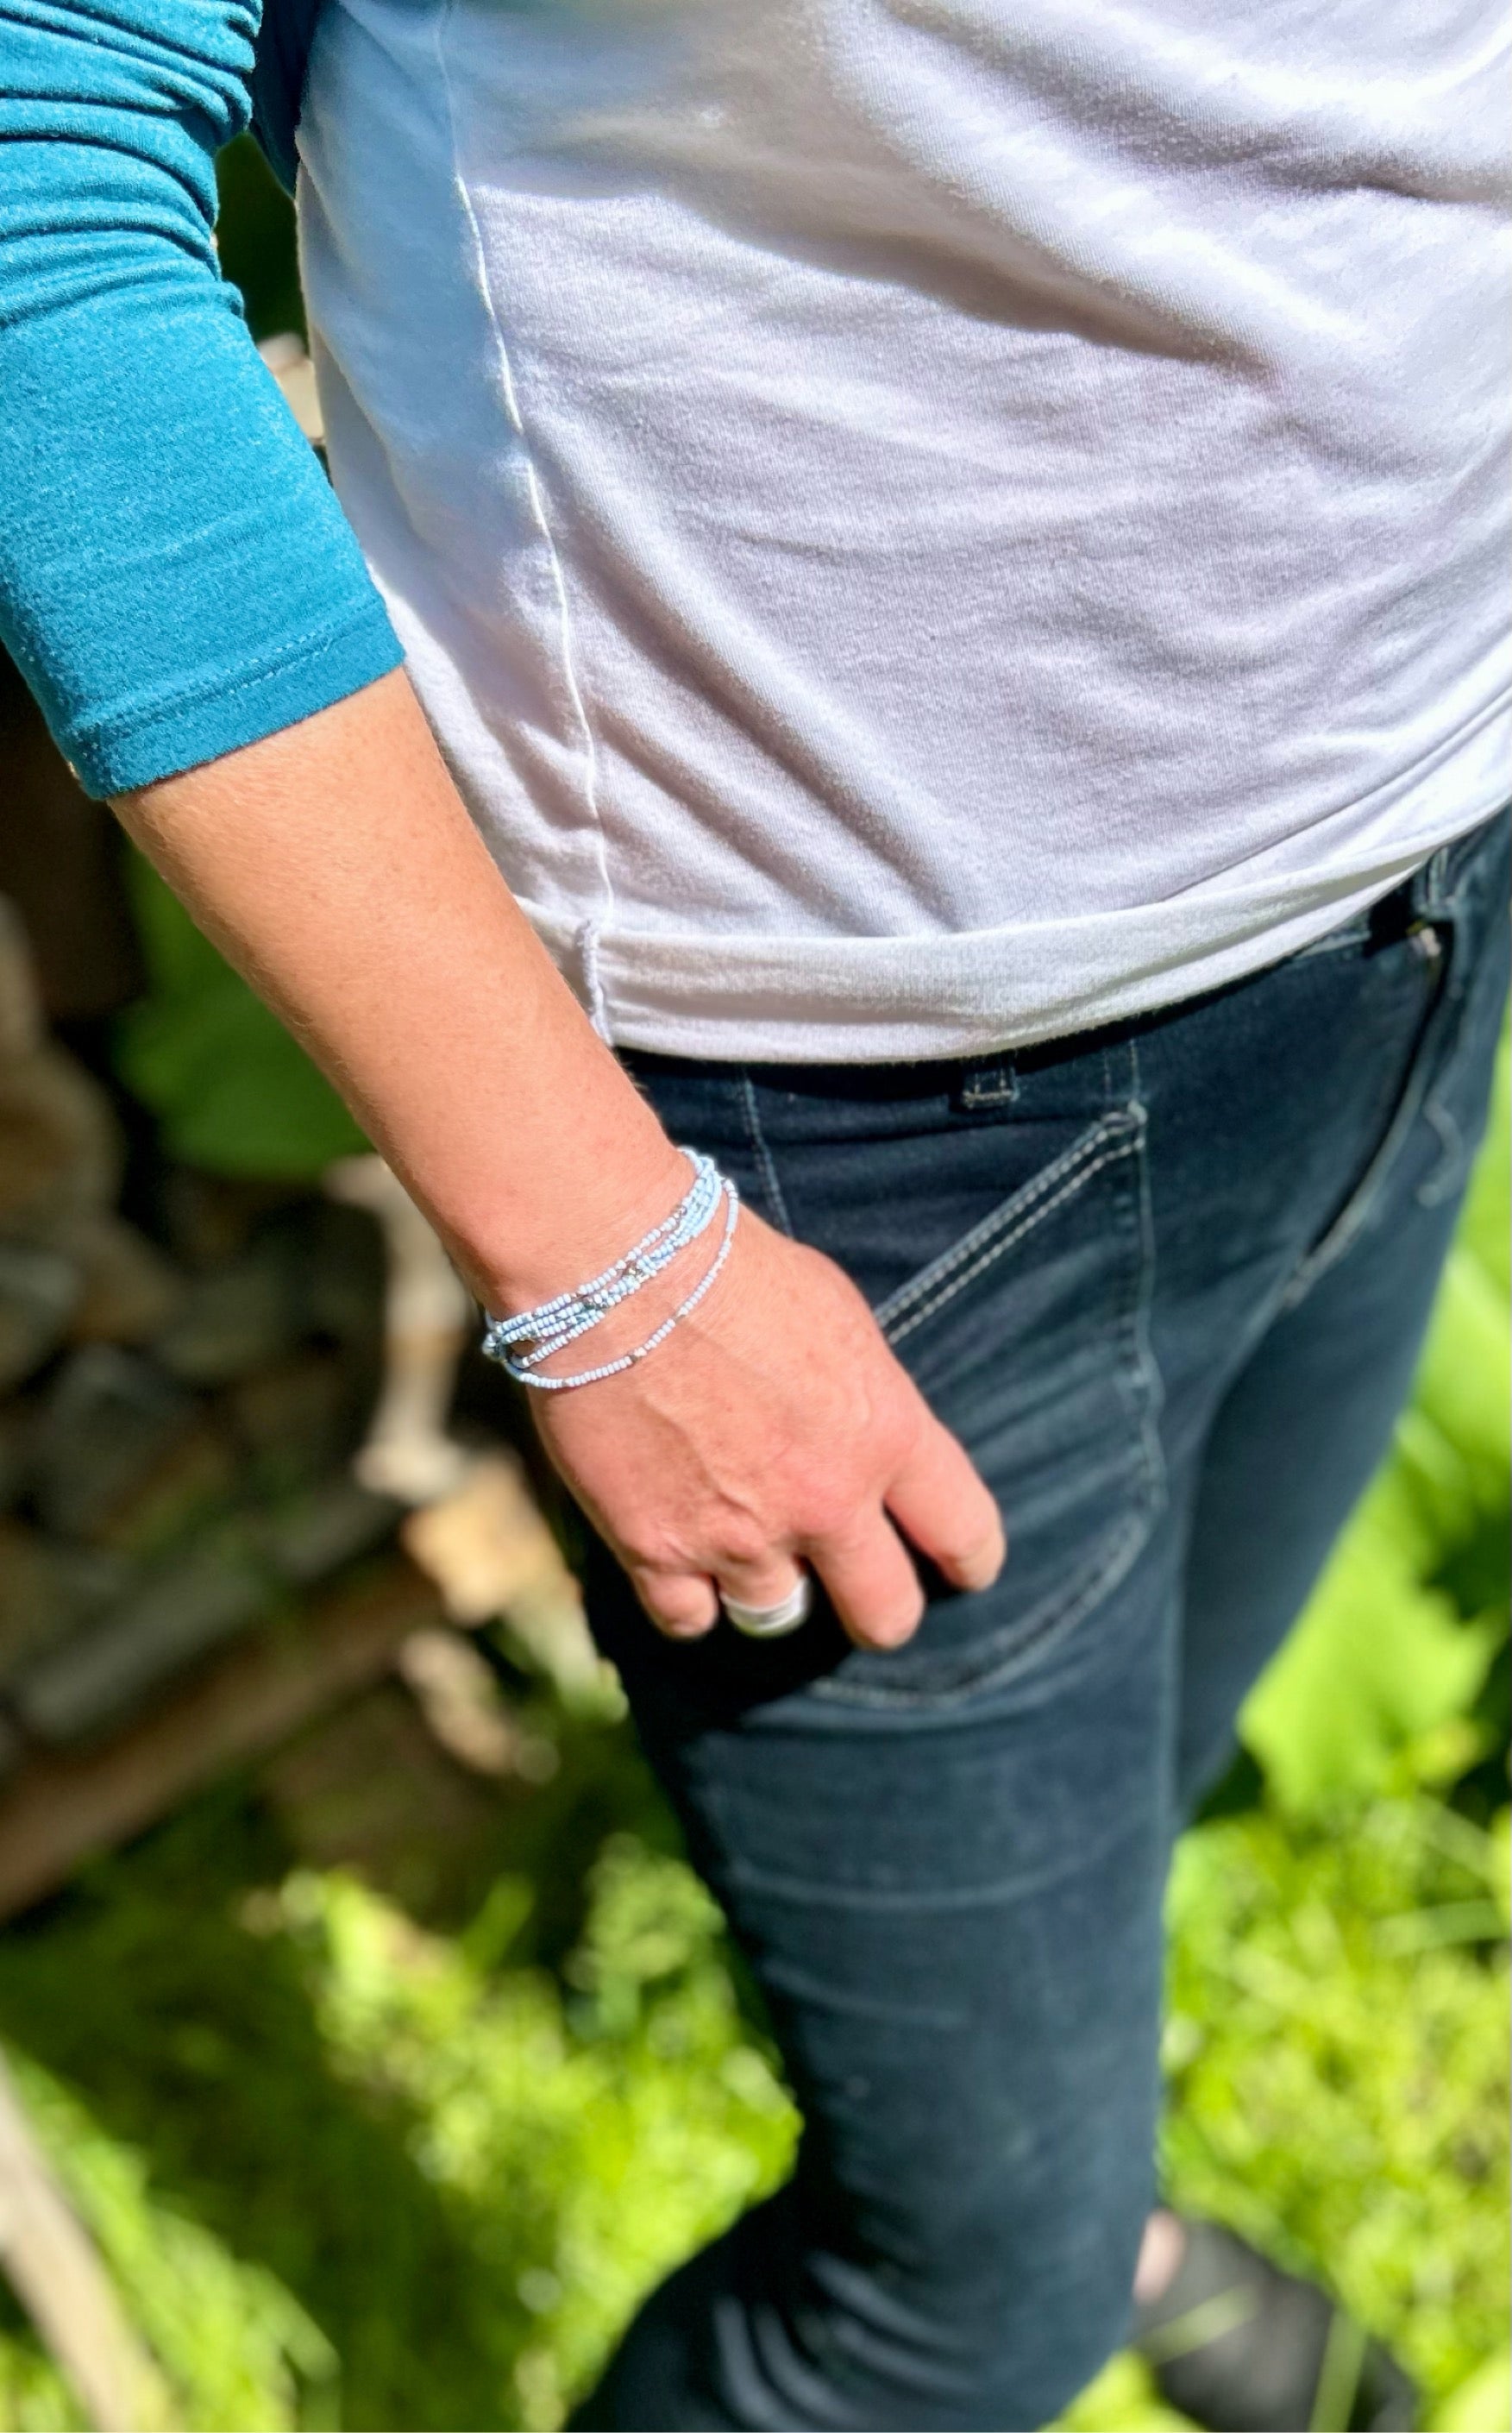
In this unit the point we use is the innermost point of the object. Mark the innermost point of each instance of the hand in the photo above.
(335, 865)
(774, 1425)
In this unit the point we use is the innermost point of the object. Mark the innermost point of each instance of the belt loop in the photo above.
(991, 1082)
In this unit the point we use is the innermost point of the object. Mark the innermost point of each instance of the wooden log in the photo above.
(62, 859)
(63, 1808)
(427, 1319)
(52, 2266)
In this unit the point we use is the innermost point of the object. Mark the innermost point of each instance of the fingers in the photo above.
(940, 1501)
(872, 1586)
(685, 1606)
(681, 1604)
(768, 1581)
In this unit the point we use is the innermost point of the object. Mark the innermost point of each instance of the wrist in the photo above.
(570, 1340)
(576, 1224)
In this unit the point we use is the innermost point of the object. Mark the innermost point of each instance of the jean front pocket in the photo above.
(1439, 985)
(1028, 1337)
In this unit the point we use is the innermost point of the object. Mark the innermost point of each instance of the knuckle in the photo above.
(636, 1555)
(831, 1490)
(898, 1429)
(651, 1551)
(827, 1508)
(654, 1562)
(743, 1541)
(653, 1588)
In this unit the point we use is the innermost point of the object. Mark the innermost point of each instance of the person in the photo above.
(949, 567)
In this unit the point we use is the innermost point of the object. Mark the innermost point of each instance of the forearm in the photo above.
(335, 866)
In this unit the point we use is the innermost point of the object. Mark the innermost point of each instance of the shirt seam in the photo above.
(125, 727)
(590, 931)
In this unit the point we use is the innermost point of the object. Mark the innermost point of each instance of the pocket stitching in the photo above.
(765, 1162)
(957, 1283)
(1060, 1613)
(1031, 1641)
(1070, 1171)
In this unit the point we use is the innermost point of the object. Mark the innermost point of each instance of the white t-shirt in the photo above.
(927, 524)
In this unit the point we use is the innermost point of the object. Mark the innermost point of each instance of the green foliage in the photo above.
(1481, 2405)
(1336, 2052)
(1122, 2400)
(223, 2330)
(465, 2175)
(350, 2173)
(302, 2111)
(1382, 1663)
(254, 233)
(588, 2143)
(230, 1088)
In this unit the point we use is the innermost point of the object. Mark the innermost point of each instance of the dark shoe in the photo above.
(1240, 2346)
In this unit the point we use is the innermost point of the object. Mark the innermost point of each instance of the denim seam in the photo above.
(822, 1995)
(1065, 1176)
(1418, 1089)
(1139, 1382)
(1031, 1640)
(764, 1158)
(1150, 1384)
(973, 1096)
(1449, 1173)
(1456, 863)
(880, 1901)
(957, 1283)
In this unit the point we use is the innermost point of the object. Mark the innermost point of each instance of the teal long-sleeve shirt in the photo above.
(175, 576)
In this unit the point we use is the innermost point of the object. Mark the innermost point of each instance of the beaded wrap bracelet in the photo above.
(553, 1324)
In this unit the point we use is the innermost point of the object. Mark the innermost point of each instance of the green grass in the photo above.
(1337, 2051)
(345, 2172)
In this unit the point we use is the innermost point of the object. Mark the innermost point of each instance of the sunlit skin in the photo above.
(335, 866)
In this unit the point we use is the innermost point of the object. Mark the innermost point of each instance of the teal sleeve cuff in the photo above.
(306, 675)
(177, 578)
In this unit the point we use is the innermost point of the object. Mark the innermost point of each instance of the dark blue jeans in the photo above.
(1168, 1283)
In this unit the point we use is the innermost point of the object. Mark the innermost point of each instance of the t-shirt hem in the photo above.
(886, 1000)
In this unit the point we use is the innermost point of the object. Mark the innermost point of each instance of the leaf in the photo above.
(231, 1088)
(1123, 2399)
(1486, 1229)
(1338, 2090)
(1481, 2405)
(1377, 1661)
(1464, 1380)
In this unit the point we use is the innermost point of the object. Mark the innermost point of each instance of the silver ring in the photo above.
(772, 1621)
